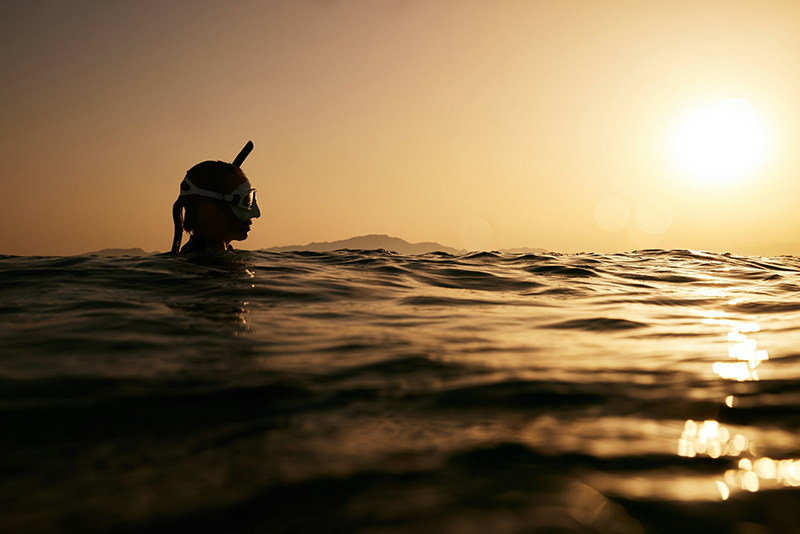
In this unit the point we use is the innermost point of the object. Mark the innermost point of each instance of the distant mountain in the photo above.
(372, 242)
(119, 252)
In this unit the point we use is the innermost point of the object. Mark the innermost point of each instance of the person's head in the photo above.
(216, 203)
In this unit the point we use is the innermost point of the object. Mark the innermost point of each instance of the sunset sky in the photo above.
(586, 125)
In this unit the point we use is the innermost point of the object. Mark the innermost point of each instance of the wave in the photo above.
(389, 392)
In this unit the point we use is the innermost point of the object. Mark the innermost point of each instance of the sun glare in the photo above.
(720, 143)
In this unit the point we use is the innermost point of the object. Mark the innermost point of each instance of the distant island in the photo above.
(385, 242)
(371, 242)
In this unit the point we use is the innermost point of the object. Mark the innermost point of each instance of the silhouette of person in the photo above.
(216, 205)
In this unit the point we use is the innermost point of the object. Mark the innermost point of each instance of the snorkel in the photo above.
(239, 159)
(242, 200)
(243, 191)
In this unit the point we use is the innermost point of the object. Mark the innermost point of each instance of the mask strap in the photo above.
(194, 190)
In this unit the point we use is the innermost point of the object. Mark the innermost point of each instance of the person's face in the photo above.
(233, 228)
(217, 222)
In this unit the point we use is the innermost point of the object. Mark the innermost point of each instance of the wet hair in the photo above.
(216, 176)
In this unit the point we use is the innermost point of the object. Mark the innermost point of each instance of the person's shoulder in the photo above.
(195, 245)
(198, 245)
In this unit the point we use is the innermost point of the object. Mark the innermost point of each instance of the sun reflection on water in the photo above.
(760, 473)
(753, 472)
(709, 438)
(743, 350)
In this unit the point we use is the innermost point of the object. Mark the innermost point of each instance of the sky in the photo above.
(577, 125)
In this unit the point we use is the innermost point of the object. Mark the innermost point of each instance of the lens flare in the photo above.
(612, 214)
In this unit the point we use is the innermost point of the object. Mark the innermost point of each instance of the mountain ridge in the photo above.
(385, 242)
(370, 242)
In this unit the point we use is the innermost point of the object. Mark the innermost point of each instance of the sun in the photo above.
(720, 143)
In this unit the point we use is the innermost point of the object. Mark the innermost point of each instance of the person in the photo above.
(216, 205)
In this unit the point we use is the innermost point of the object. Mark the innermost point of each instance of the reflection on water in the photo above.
(743, 350)
(753, 475)
(709, 438)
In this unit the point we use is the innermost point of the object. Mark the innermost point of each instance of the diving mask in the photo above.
(242, 199)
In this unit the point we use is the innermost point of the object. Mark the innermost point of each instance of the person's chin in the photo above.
(244, 231)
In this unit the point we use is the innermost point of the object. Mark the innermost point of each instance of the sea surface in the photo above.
(372, 392)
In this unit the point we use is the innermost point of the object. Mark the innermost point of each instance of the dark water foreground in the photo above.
(371, 392)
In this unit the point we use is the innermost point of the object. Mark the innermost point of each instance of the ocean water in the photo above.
(371, 392)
